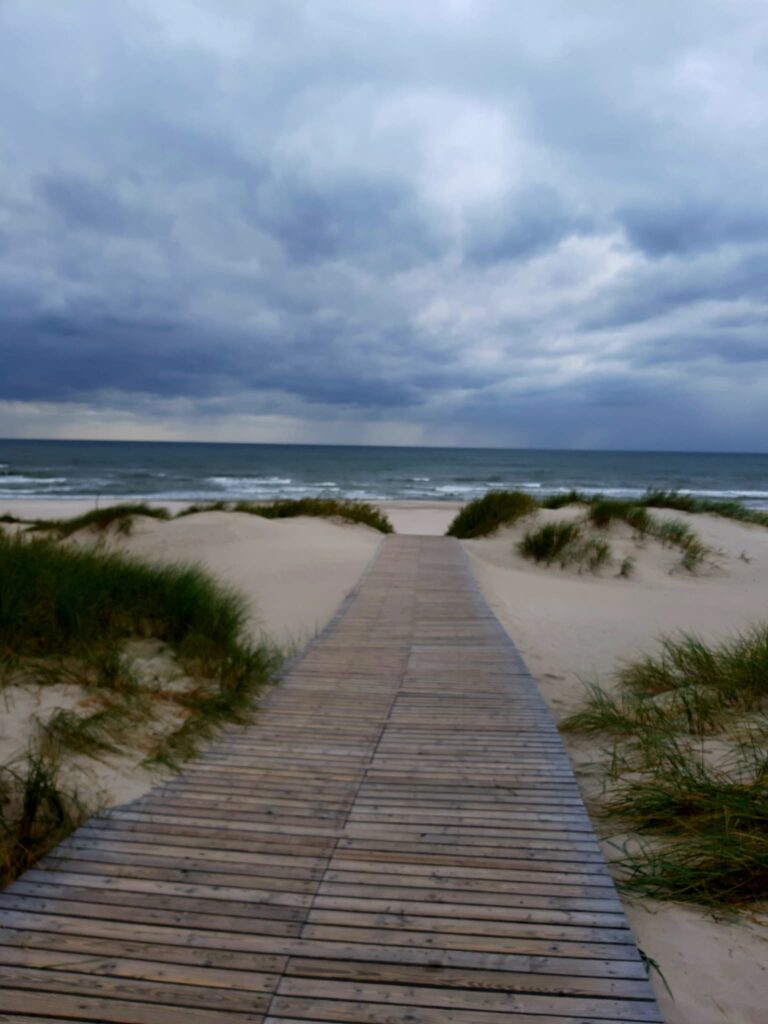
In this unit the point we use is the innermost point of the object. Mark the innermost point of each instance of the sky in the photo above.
(459, 222)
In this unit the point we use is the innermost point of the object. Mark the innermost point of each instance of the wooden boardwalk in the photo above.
(398, 838)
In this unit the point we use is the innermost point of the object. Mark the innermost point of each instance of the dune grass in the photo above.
(709, 828)
(602, 514)
(566, 544)
(327, 508)
(204, 506)
(707, 813)
(37, 811)
(561, 543)
(549, 542)
(688, 687)
(483, 516)
(561, 500)
(56, 598)
(694, 551)
(671, 533)
(121, 517)
(65, 615)
(656, 498)
(627, 567)
(659, 498)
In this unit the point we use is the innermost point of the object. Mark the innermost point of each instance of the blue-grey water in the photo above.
(160, 470)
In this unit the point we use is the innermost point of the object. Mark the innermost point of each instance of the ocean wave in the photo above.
(727, 494)
(472, 489)
(460, 489)
(637, 492)
(20, 478)
(248, 481)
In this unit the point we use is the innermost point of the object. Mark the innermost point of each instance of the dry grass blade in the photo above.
(36, 813)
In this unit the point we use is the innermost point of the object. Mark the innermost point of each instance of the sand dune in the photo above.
(295, 572)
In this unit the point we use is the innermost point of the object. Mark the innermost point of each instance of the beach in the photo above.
(570, 628)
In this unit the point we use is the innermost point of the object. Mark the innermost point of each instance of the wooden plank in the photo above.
(58, 1006)
(452, 977)
(543, 1004)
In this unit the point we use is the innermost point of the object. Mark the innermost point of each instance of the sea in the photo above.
(123, 470)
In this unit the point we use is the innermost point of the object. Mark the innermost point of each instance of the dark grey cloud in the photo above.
(686, 226)
(92, 206)
(526, 225)
(678, 286)
(377, 222)
(458, 221)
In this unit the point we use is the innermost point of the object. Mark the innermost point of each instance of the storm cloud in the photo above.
(457, 222)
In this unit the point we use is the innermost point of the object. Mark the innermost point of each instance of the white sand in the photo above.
(428, 518)
(571, 627)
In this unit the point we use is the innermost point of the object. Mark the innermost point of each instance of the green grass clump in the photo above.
(709, 820)
(627, 567)
(657, 498)
(37, 811)
(608, 510)
(710, 824)
(604, 512)
(483, 516)
(64, 613)
(689, 687)
(566, 544)
(207, 506)
(556, 501)
(56, 598)
(548, 543)
(675, 533)
(690, 710)
(327, 508)
(736, 667)
(101, 519)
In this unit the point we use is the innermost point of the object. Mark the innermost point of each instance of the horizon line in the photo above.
(429, 447)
